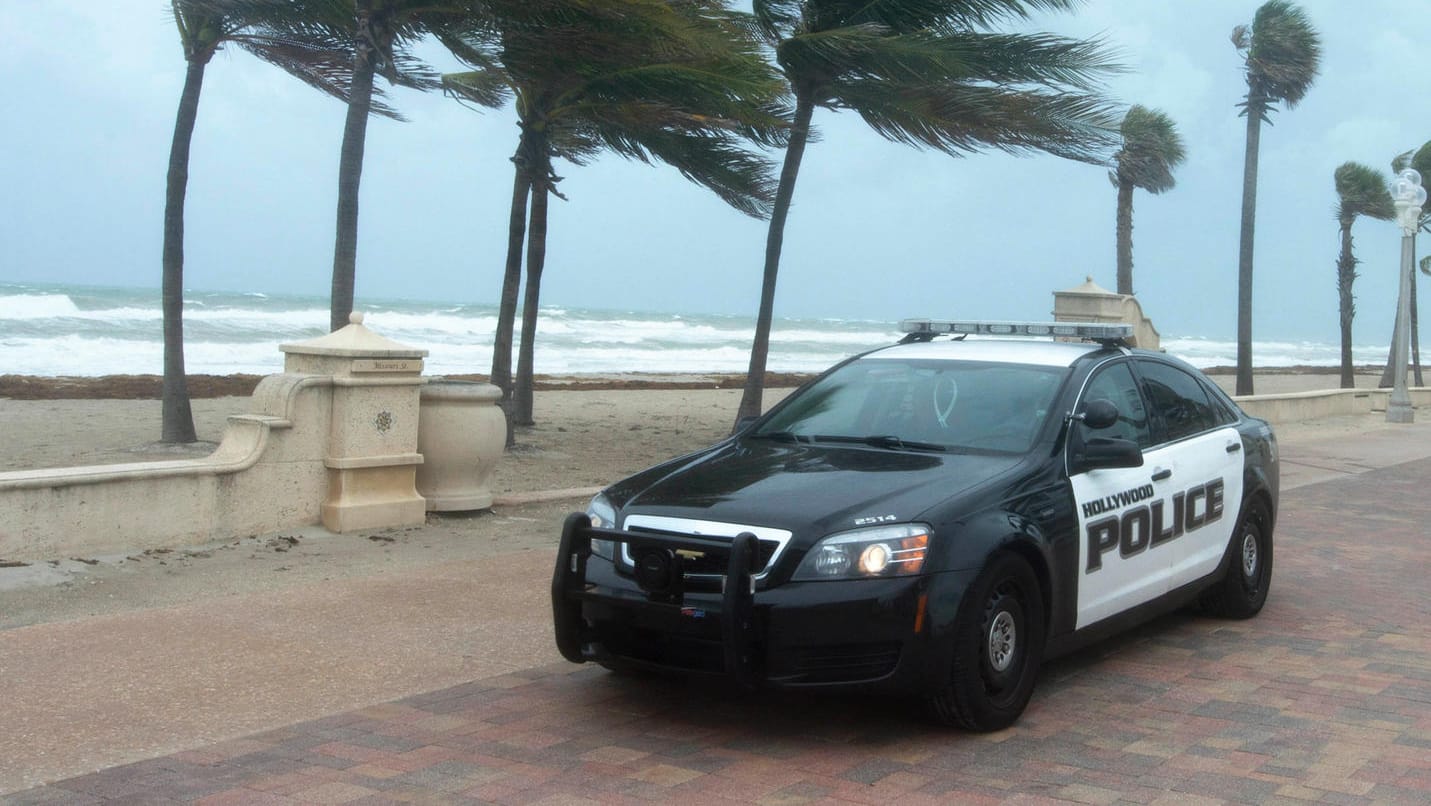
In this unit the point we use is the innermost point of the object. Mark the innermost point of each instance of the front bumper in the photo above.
(876, 633)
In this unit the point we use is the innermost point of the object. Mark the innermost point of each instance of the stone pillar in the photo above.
(1091, 302)
(372, 446)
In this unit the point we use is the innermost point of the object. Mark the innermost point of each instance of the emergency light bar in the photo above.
(1092, 331)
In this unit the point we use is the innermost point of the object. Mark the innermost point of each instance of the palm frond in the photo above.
(740, 178)
(1283, 56)
(646, 79)
(1417, 159)
(1151, 149)
(708, 97)
(959, 119)
(1362, 191)
(823, 60)
(907, 16)
(488, 88)
(323, 65)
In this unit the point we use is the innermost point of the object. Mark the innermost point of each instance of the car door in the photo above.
(1198, 470)
(1118, 568)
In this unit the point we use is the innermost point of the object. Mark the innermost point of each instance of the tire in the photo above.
(998, 644)
(1242, 591)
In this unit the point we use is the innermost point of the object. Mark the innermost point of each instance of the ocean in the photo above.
(59, 330)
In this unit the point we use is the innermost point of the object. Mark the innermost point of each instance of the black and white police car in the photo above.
(933, 517)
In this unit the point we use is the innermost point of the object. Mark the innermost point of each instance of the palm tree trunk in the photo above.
(1244, 250)
(1387, 381)
(1346, 274)
(511, 287)
(750, 401)
(350, 172)
(1125, 237)
(536, 261)
(177, 419)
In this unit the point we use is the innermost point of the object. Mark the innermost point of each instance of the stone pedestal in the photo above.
(461, 434)
(372, 455)
(1090, 302)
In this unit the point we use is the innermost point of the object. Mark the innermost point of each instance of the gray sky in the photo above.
(878, 231)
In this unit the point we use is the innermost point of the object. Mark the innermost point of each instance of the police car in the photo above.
(935, 517)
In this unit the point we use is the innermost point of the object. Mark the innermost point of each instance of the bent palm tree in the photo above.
(1361, 191)
(381, 32)
(273, 32)
(1283, 53)
(647, 79)
(1151, 150)
(1420, 160)
(925, 73)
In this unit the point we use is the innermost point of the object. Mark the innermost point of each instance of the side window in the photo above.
(1179, 399)
(1115, 384)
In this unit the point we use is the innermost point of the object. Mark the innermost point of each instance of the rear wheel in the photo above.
(998, 644)
(1243, 590)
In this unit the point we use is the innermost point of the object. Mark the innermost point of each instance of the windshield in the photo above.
(934, 405)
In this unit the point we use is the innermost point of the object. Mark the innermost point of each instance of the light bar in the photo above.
(1093, 331)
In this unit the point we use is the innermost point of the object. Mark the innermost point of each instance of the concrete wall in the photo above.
(1299, 406)
(267, 474)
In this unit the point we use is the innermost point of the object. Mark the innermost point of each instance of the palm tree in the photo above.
(381, 32)
(271, 30)
(678, 82)
(1151, 150)
(926, 73)
(1282, 53)
(1361, 191)
(1420, 160)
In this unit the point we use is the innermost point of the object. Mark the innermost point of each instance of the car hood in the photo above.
(806, 489)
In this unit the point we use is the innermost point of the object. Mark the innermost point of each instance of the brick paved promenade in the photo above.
(1325, 697)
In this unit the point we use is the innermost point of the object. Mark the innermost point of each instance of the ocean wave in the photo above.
(22, 307)
(50, 329)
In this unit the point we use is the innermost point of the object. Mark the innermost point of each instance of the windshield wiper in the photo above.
(781, 436)
(887, 441)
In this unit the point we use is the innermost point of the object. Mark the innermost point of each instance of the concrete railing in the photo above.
(1295, 407)
(267, 474)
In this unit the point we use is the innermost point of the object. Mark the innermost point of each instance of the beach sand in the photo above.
(587, 434)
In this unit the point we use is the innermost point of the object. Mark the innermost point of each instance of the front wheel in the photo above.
(1243, 591)
(998, 645)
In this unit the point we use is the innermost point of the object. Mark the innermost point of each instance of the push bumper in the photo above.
(878, 633)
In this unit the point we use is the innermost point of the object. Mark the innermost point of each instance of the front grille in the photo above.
(714, 565)
(845, 663)
(705, 572)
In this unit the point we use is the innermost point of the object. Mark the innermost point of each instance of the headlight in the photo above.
(883, 551)
(603, 516)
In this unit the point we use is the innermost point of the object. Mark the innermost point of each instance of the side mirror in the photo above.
(1099, 414)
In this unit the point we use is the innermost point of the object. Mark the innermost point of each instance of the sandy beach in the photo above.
(587, 432)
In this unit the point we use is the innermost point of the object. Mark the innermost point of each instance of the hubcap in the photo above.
(1249, 555)
(1002, 635)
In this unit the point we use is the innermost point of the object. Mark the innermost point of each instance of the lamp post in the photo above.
(1408, 195)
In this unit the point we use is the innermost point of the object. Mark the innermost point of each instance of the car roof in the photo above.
(1033, 352)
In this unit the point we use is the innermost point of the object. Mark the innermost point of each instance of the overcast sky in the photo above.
(878, 231)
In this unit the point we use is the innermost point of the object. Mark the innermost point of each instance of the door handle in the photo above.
(1162, 473)
(1234, 447)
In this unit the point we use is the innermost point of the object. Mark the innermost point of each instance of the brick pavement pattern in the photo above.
(1325, 697)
